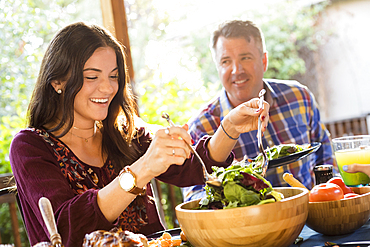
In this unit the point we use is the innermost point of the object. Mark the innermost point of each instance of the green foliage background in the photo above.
(288, 27)
(26, 28)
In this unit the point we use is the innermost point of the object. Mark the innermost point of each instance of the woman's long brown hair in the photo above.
(64, 60)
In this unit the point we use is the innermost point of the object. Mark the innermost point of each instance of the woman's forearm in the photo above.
(113, 200)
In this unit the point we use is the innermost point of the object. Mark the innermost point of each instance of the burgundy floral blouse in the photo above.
(74, 170)
(44, 166)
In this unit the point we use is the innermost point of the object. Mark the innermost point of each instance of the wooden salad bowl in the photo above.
(274, 224)
(340, 217)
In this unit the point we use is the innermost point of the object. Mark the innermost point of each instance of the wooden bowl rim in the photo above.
(301, 194)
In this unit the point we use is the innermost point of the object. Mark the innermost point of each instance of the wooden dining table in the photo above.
(312, 238)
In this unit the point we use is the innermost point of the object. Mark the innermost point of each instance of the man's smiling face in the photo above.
(241, 66)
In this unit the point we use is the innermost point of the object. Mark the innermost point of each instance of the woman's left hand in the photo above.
(167, 148)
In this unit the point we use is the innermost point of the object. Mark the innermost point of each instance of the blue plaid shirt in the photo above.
(294, 118)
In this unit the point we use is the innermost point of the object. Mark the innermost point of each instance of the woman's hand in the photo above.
(365, 168)
(167, 148)
(244, 118)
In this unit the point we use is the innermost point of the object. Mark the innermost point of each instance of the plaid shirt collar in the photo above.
(226, 106)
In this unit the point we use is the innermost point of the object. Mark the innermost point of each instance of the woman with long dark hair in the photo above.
(84, 151)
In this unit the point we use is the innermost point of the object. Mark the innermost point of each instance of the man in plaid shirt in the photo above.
(241, 59)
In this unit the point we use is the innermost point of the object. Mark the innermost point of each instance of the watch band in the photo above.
(134, 190)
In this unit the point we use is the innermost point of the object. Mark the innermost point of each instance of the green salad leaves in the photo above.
(242, 185)
(282, 150)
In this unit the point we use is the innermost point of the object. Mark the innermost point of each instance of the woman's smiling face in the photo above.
(99, 87)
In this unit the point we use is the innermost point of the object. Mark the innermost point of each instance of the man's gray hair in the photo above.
(238, 29)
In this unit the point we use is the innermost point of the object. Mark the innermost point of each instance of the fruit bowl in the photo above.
(274, 224)
(342, 216)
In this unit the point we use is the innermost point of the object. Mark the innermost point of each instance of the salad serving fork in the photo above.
(211, 180)
(265, 160)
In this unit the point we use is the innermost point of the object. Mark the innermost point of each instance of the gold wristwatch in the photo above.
(127, 181)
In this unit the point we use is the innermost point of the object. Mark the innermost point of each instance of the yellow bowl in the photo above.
(275, 224)
(340, 217)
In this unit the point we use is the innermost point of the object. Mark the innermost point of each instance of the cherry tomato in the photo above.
(350, 195)
(326, 192)
(339, 181)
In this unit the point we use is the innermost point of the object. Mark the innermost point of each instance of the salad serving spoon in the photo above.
(265, 160)
(48, 216)
(211, 180)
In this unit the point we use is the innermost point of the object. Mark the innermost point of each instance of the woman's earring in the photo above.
(59, 91)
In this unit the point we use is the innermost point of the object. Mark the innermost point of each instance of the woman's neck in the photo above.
(85, 134)
(85, 144)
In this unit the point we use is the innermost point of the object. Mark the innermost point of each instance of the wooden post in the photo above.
(10, 198)
(114, 19)
(15, 225)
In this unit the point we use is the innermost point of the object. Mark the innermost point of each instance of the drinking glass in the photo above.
(349, 150)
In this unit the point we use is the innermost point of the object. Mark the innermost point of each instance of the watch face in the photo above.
(127, 181)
